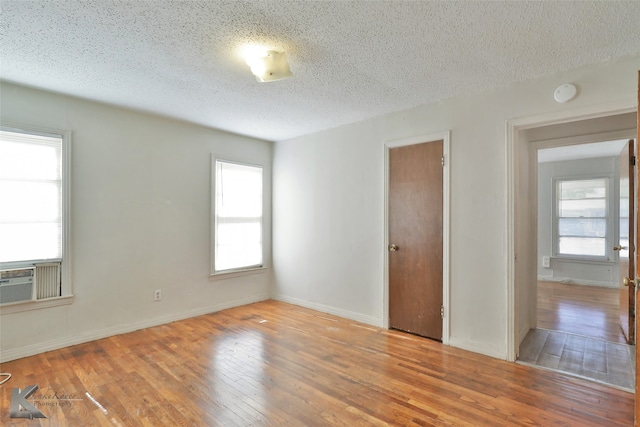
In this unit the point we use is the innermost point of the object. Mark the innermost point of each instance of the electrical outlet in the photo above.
(546, 262)
(157, 295)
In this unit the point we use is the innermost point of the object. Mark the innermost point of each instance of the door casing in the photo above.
(418, 139)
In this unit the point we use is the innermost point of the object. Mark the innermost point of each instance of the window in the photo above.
(34, 219)
(581, 214)
(237, 217)
(31, 191)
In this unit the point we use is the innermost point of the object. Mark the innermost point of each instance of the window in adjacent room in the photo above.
(581, 217)
(34, 217)
(237, 224)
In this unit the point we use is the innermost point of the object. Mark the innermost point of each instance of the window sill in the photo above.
(237, 273)
(35, 305)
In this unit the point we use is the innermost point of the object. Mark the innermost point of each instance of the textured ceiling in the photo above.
(351, 60)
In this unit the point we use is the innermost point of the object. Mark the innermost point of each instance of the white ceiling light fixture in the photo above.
(268, 65)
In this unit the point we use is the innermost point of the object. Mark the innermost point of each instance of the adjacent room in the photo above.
(307, 213)
(583, 213)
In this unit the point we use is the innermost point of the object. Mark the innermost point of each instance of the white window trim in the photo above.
(238, 272)
(608, 218)
(67, 284)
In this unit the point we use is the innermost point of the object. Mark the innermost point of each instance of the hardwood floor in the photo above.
(590, 311)
(275, 364)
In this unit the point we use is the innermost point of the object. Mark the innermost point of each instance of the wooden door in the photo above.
(416, 238)
(626, 243)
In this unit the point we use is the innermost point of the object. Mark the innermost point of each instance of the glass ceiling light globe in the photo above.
(266, 65)
(252, 54)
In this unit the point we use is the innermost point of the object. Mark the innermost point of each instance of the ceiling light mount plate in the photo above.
(565, 93)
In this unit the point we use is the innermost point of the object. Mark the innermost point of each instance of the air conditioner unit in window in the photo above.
(16, 285)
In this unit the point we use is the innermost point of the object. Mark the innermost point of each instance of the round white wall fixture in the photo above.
(565, 92)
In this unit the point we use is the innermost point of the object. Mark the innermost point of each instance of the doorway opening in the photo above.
(566, 278)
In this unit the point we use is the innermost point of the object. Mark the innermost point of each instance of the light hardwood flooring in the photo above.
(275, 364)
(590, 311)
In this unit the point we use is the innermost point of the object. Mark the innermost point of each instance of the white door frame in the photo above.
(513, 127)
(418, 139)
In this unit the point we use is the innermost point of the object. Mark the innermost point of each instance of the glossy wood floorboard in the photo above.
(590, 311)
(275, 364)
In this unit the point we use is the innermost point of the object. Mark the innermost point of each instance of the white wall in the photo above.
(597, 273)
(329, 201)
(140, 221)
(328, 225)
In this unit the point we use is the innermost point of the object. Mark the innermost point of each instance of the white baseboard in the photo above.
(30, 350)
(478, 347)
(475, 347)
(584, 282)
(358, 317)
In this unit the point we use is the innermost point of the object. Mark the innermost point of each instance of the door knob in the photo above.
(393, 248)
(627, 281)
(619, 248)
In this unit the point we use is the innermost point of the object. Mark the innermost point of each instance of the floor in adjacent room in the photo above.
(579, 334)
(592, 358)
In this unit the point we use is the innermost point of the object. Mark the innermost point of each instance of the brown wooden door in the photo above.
(626, 243)
(415, 238)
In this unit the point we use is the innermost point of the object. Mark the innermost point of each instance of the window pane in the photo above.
(30, 241)
(237, 234)
(582, 246)
(238, 245)
(583, 189)
(239, 191)
(26, 201)
(583, 208)
(583, 227)
(30, 157)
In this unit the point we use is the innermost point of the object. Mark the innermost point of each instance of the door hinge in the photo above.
(442, 161)
(632, 160)
(442, 312)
